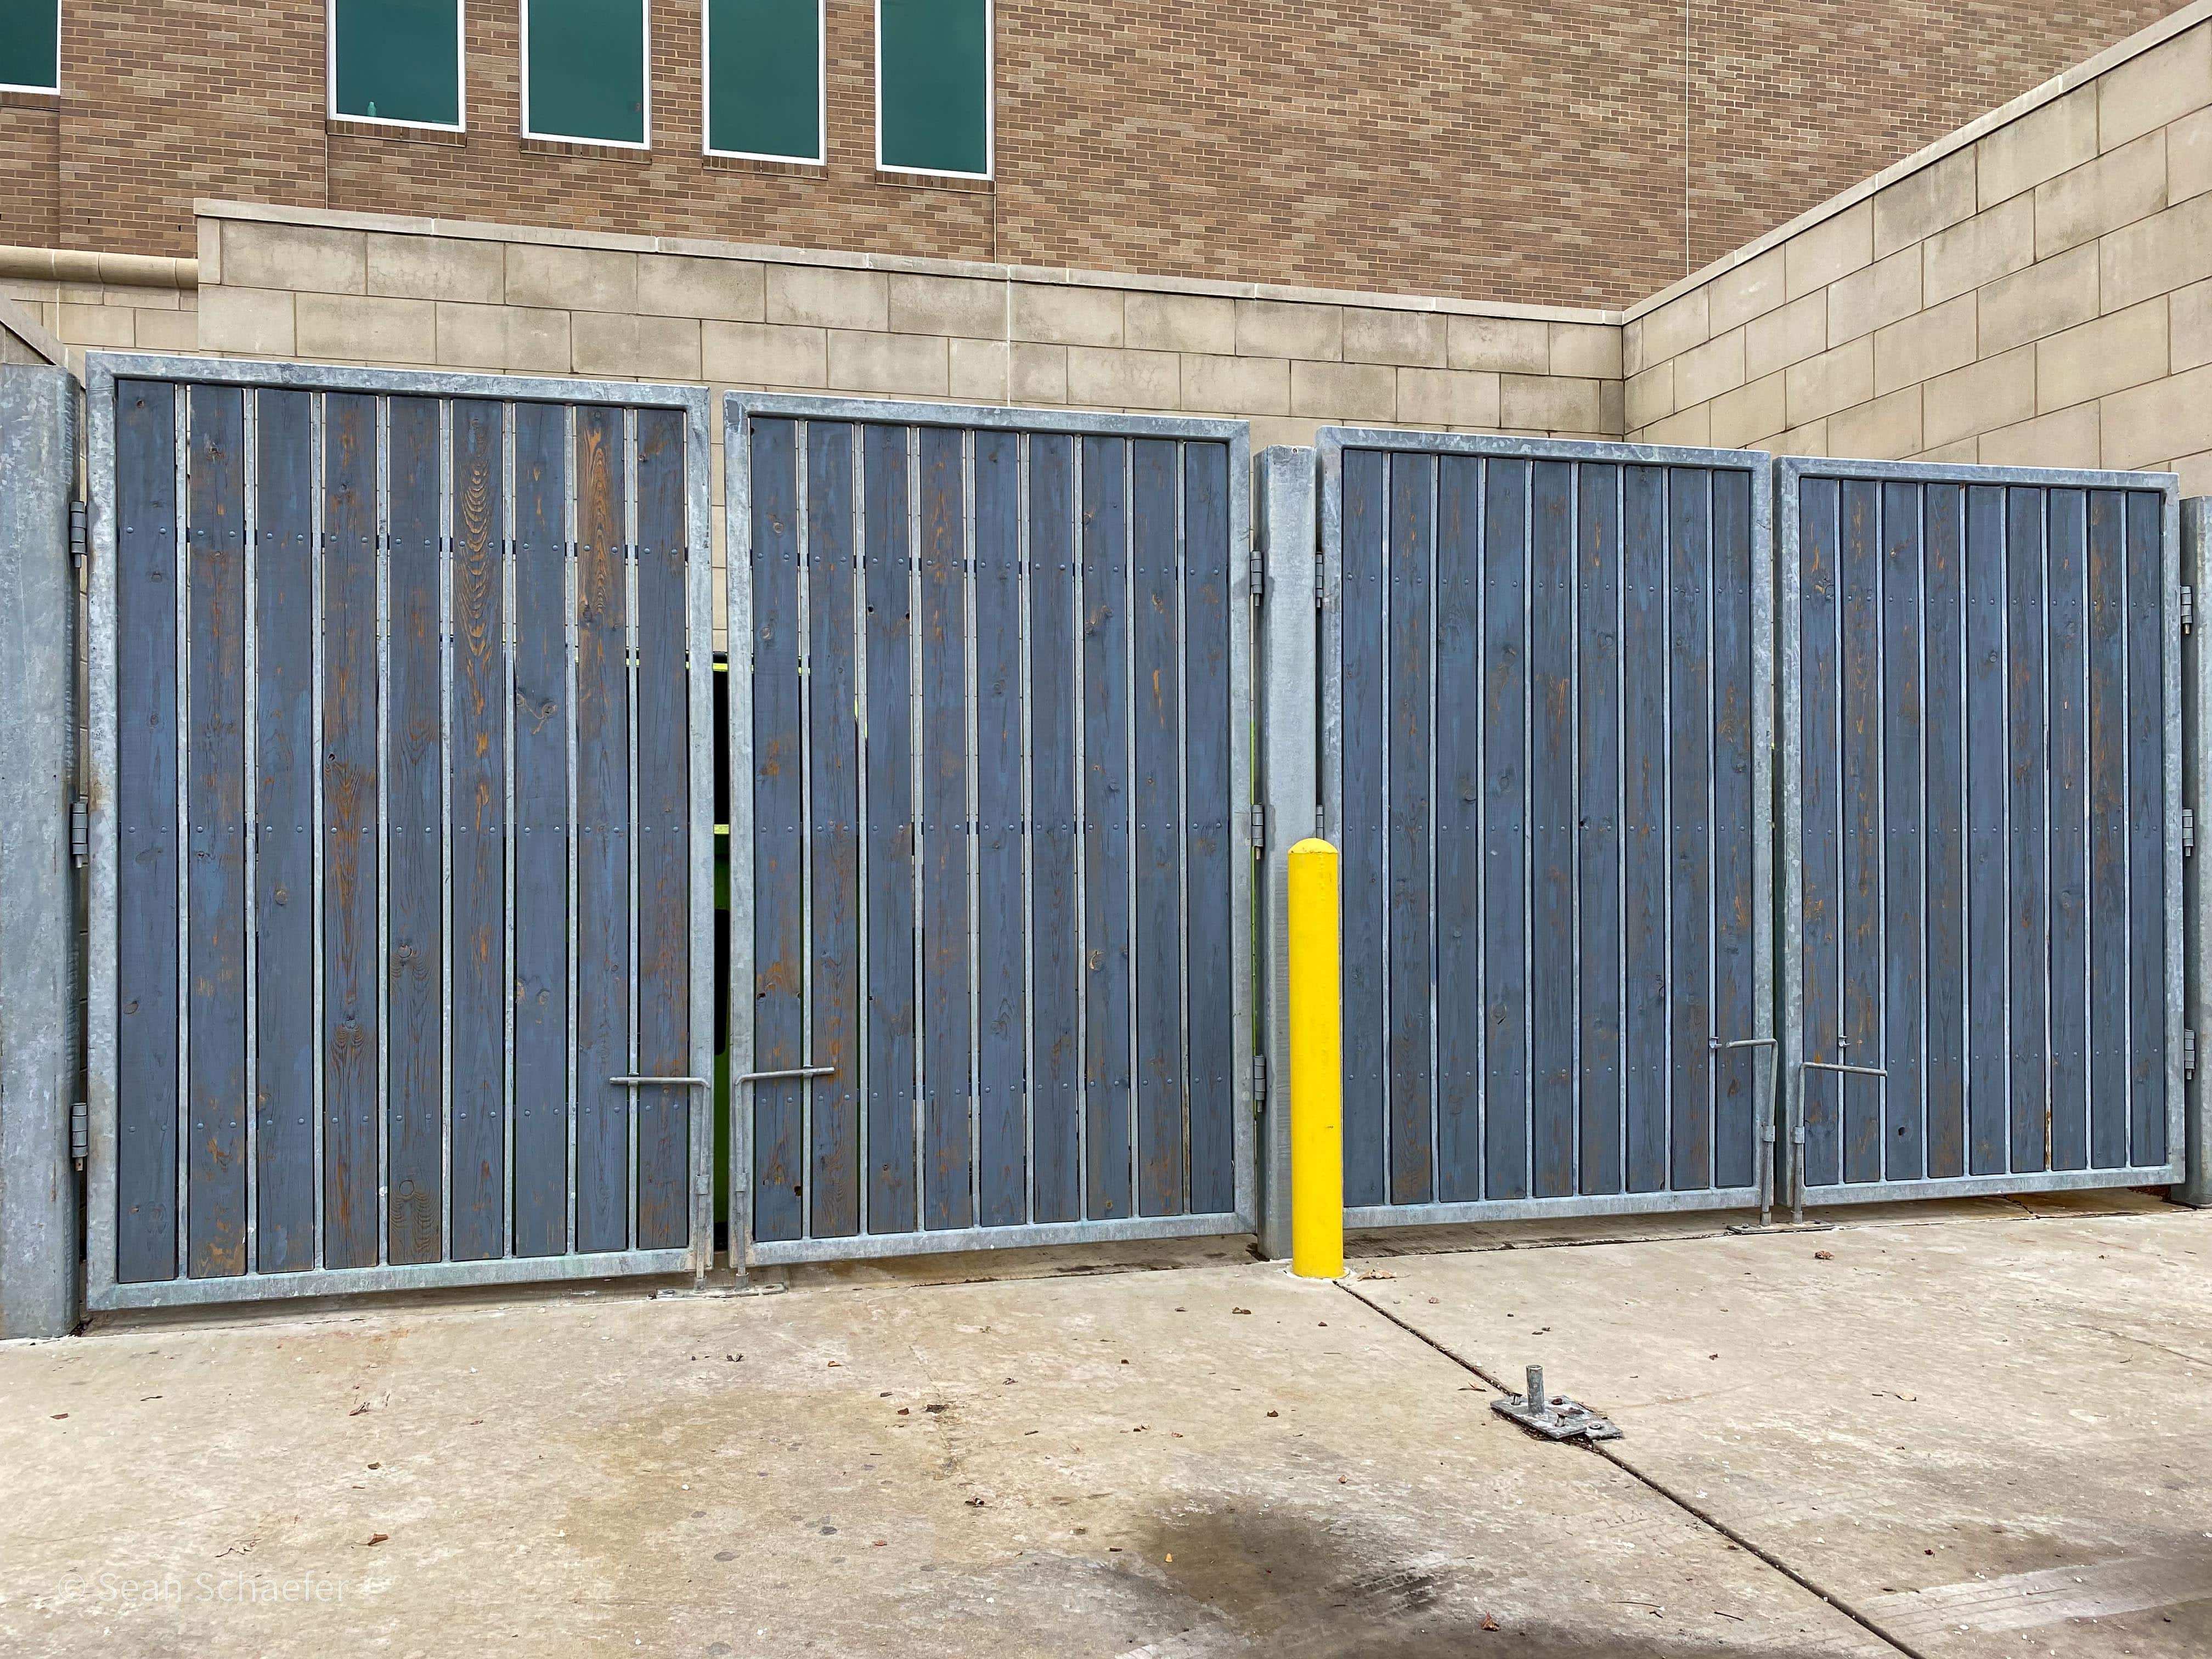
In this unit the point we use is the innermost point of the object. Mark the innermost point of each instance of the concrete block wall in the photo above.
(2034, 290)
(411, 293)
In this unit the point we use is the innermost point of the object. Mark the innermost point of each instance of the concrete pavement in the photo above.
(1168, 1451)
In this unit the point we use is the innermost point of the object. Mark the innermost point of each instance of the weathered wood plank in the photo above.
(891, 838)
(602, 838)
(664, 898)
(146, 890)
(779, 1151)
(1738, 1102)
(2147, 940)
(1001, 1105)
(1504, 716)
(1988, 1070)
(1820, 657)
(1598, 716)
(1899, 1154)
(1409, 898)
(2028, 763)
(1552, 1014)
(1056, 1095)
(542, 564)
(1859, 567)
(478, 768)
(834, 844)
(1458, 874)
(1944, 595)
(414, 1114)
(946, 1161)
(284, 835)
(2071, 991)
(1217, 1046)
(1109, 1060)
(215, 806)
(1155, 715)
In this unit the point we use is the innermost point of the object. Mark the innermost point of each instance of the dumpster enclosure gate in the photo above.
(400, 830)
(403, 862)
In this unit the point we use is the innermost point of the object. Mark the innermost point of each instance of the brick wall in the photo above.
(2036, 290)
(1581, 152)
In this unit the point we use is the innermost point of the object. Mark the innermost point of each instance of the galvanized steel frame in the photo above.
(738, 409)
(1330, 444)
(2196, 1187)
(103, 371)
(1790, 471)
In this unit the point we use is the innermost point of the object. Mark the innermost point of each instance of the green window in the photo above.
(764, 78)
(30, 44)
(397, 60)
(584, 70)
(933, 86)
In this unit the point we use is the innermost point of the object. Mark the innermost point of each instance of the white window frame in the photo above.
(990, 102)
(645, 13)
(821, 156)
(55, 90)
(460, 75)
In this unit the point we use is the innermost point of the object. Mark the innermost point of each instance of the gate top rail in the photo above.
(1331, 441)
(885, 411)
(1790, 468)
(104, 368)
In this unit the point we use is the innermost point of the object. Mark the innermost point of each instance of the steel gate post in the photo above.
(41, 1031)
(1288, 780)
(2196, 704)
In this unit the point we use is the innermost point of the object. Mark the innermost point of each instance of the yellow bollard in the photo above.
(1316, 1066)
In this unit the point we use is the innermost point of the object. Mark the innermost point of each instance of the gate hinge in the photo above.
(80, 1134)
(1259, 574)
(76, 534)
(1259, 1084)
(2188, 1053)
(1259, 831)
(2188, 831)
(2187, 606)
(1320, 581)
(79, 831)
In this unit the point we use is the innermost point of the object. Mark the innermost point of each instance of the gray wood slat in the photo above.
(663, 851)
(2146, 941)
(1551, 807)
(1690, 999)
(1821, 652)
(1598, 711)
(1409, 897)
(1859, 570)
(1056, 1095)
(1988, 1068)
(944, 834)
(1943, 591)
(478, 769)
(2065, 631)
(1108, 1061)
(146, 978)
(833, 762)
(1459, 1012)
(1002, 1171)
(215, 785)
(1157, 714)
(2027, 774)
(1362, 968)
(2109, 831)
(1216, 1046)
(1738, 1104)
(542, 563)
(603, 835)
(890, 836)
(415, 833)
(1505, 715)
(350, 1036)
(284, 832)
(778, 923)
(1899, 1154)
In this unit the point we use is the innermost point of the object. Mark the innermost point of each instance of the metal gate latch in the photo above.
(1554, 1416)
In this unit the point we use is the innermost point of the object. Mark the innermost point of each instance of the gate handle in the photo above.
(795, 1072)
(633, 1082)
(1855, 1071)
(1717, 1045)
